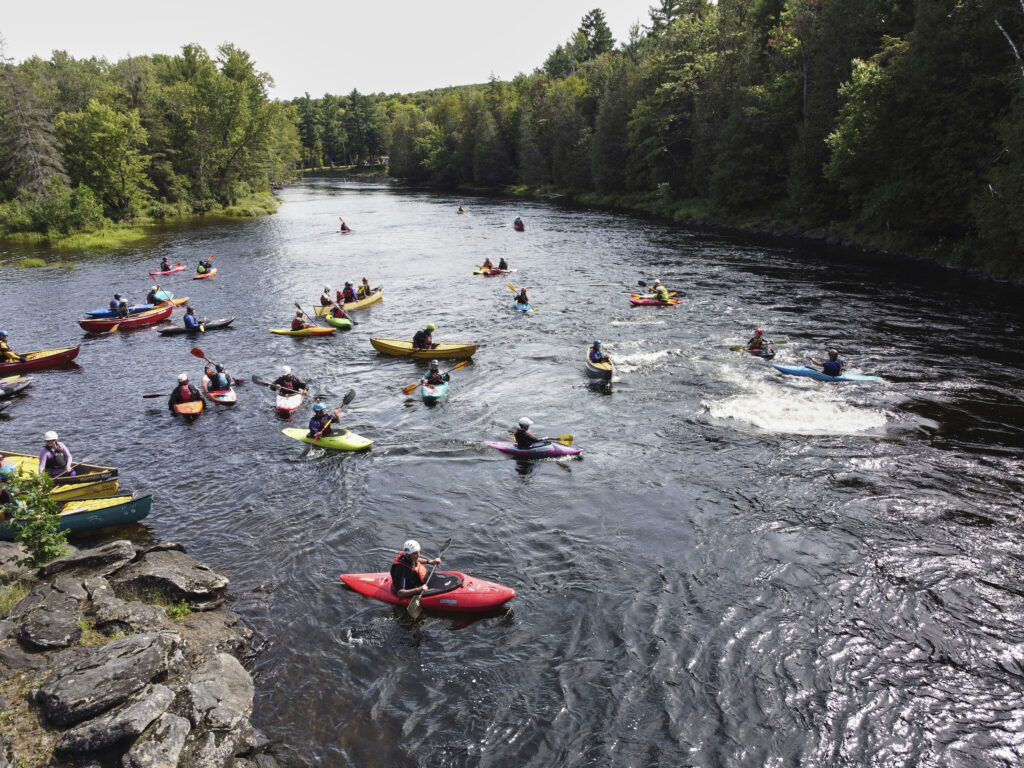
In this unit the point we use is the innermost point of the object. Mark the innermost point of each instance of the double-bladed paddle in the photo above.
(414, 608)
(412, 387)
(266, 383)
(513, 289)
(563, 439)
(349, 397)
(197, 352)
(738, 347)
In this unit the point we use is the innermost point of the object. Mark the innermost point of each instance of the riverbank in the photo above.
(123, 655)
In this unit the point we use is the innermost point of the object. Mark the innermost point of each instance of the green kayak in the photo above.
(345, 440)
(338, 322)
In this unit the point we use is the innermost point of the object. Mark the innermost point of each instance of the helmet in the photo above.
(365, 280)
(597, 343)
(433, 363)
(411, 546)
(3, 333)
(525, 422)
(298, 313)
(286, 369)
(182, 377)
(152, 287)
(833, 354)
(190, 311)
(117, 295)
(431, 327)
(657, 281)
(348, 282)
(317, 407)
(759, 332)
(51, 435)
(220, 368)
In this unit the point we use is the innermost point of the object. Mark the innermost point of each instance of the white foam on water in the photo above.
(642, 360)
(636, 322)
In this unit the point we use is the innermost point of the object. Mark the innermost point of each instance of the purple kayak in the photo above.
(540, 450)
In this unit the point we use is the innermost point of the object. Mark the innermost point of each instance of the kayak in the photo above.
(519, 227)
(91, 514)
(4, 404)
(602, 371)
(647, 295)
(814, 373)
(134, 309)
(223, 396)
(213, 325)
(150, 317)
(642, 302)
(338, 322)
(189, 408)
(13, 385)
(766, 353)
(204, 275)
(173, 302)
(36, 361)
(373, 298)
(539, 450)
(316, 330)
(522, 307)
(496, 271)
(345, 440)
(171, 271)
(289, 403)
(345, 231)
(440, 352)
(449, 591)
(431, 393)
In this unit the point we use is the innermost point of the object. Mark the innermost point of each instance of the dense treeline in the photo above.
(897, 123)
(85, 142)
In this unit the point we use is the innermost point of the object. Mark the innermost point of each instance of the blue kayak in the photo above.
(522, 307)
(814, 373)
(432, 394)
(134, 309)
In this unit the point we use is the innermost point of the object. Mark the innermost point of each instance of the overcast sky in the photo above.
(320, 46)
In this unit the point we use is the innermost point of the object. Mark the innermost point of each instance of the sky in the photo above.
(320, 46)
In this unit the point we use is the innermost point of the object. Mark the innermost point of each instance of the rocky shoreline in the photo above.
(124, 656)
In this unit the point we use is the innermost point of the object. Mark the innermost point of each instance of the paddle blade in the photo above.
(511, 287)
(349, 397)
(147, 397)
(260, 380)
(410, 389)
(444, 547)
(460, 366)
(564, 439)
(414, 609)
(641, 282)
(114, 327)
(779, 341)
(735, 347)
(197, 352)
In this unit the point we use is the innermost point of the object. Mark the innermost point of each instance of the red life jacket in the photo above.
(420, 569)
(185, 392)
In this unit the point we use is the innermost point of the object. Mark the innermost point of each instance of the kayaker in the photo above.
(502, 264)
(320, 424)
(338, 311)
(216, 379)
(151, 297)
(364, 289)
(114, 302)
(191, 321)
(7, 355)
(55, 459)
(518, 223)
(424, 339)
(522, 435)
(289, 382)
(344, 227)
(834, 365)
(758, 341)
(298, 323)
(204, 266)
(521, 297)
(596, 355)
(184, 392)
(349, 294)
(409, 570)
(434, 376)
(461, 209)
(660, 291)
(488, 264)
(165, 265)
(325, 297)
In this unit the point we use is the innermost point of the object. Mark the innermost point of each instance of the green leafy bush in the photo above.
(35, 518)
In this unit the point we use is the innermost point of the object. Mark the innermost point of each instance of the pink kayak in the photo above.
(539, 450)
(171, 271)
(450, 591)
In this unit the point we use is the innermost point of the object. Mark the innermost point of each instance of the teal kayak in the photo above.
(814, 373)
(432, 394)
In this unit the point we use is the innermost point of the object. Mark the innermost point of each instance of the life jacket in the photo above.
(201, 268)
(524, 439)
(419, 571)
(832, 367)
(219, 382)
(422, 340)
(522, 298)
(488, 264)
(298, 324)
(362, 291)
(349, 294)
(191, 321)
(114, 303)
(596, 355)
(319, 423)
(756, 343)
(435, 378)
(164, 266)
(56, 460)
(185, 393)
(151, 298)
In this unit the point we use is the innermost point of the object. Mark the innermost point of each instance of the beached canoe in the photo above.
(37, 361)
(92, 514)
(440, 352)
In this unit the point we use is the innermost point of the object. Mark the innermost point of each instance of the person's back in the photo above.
(523, 438)
(596, 355)
(421, 340)
(502, 264)
(405, 574)
(191, 322)
(832, 367)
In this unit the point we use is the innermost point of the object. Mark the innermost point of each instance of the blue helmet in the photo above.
(3, 333)
(317, 407)
(597, 343)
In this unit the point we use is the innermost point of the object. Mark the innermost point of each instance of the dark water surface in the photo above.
(744, 569)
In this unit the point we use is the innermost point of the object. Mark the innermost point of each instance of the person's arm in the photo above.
(67, 452)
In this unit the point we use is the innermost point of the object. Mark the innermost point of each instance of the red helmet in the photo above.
(759, 332)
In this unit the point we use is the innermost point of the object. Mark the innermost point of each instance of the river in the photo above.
(744, 569)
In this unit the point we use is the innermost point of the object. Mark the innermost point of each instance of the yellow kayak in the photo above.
(317, 331)
(373, 298)
(95, 490)
(441, 351)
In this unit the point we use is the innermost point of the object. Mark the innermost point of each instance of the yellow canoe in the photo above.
(373, 298)
(95, 490)
(84, 473)
(441, 351)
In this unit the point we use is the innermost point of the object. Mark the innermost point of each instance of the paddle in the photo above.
(563, 439)
(412, 387)
(349, 397)
(513, 289)
(264, 382)
(299, 307)
(346, 315)
(738, 347)
(414, 608)
(197, 352)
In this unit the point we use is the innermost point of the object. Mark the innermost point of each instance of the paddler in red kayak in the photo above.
(165, 266)
(660, 291)
(55, 459)
(320, 424)
(488, 264)
(7, 355)
(298, 323)
(502, 264)
(424, 339)
(183, 393)
(409, 570)
(758, 341)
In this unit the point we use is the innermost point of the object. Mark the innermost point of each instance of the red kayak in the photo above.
(450, 591)
(205, 275)
(641, 302)
(171, 271)
(36, 361)
(152, 317)
(496, 271)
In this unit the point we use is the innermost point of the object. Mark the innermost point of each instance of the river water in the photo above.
(744, 569)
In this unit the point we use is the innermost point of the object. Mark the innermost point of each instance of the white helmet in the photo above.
(182, 377)
(327, 289)
(433, 363)
(525, 422)
(152, 288)
(286, 369)
(411, 546)
(51, 435)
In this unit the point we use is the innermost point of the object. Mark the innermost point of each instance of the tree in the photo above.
(598, 36)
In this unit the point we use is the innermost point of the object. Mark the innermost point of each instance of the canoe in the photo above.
(205, 275)
(213, 325)
(345, 440)
(9, 388)
(171, 271)
(97, 489)
(642, 302)
(36, 361)
(174, 302)
(432, 394)
(449, 591)
(223, 396)
(189, 408)
(289, 403)
(602, 371)
(522, 307)
(134, 309)
(814, 373)
(338, 322)
(152, 317)
(91, 514)
(440, 352)
(318, 330)
(373, 298)
(539, 450)
(84, 473)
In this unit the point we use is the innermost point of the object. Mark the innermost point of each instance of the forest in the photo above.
(893, 123)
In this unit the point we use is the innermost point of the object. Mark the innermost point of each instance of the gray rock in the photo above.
(6, 629)
(106, 559)
(10, 553)
(98, 588)
(220, 694)
(174, 575)
(214, 749)
(111, 615)
(106, 676)
(54, 622)
(266, 761)
(219, 631)
(165, 546)
(161, 745)
(31, 602)
(16, 659)
(6, 753)
(71, 587)
(119, 725)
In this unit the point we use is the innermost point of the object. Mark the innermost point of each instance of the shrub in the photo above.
(35, 518)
